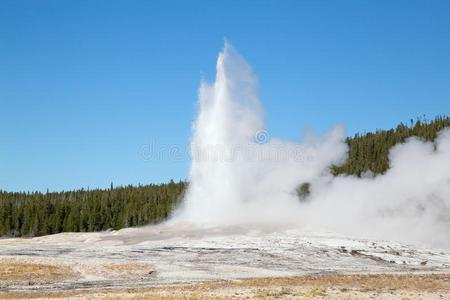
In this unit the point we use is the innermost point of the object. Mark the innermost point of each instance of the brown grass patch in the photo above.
(128, 267)
(14, 271)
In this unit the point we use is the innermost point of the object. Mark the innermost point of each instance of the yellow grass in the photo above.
(405, 286)
(15, 271)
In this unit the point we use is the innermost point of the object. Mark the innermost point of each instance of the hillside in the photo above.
(370, 151)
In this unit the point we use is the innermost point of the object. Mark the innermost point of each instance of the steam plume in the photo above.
(240, 175)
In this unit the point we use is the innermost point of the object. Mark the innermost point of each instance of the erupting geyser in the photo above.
(236, 175)
(240, 176)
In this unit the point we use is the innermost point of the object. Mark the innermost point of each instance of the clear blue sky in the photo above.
(86, 85)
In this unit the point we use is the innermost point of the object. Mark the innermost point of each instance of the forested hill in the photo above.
(370, 151)
(34, 214)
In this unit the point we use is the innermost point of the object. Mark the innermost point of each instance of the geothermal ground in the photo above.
(190, 262)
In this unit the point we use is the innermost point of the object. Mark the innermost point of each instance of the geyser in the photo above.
(239, 175)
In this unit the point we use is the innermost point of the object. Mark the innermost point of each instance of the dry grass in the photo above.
(129, 267)
(376, 281)
(15, 271)
(406, 286)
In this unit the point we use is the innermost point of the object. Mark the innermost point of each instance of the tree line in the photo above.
(36, 214)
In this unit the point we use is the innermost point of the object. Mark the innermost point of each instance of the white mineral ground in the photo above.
(173, 255)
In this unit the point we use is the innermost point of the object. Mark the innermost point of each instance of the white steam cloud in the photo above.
(241, 176)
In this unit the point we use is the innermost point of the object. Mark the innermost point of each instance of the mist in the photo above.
(241, 175)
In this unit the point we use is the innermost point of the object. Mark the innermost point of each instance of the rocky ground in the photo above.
(184, 262)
